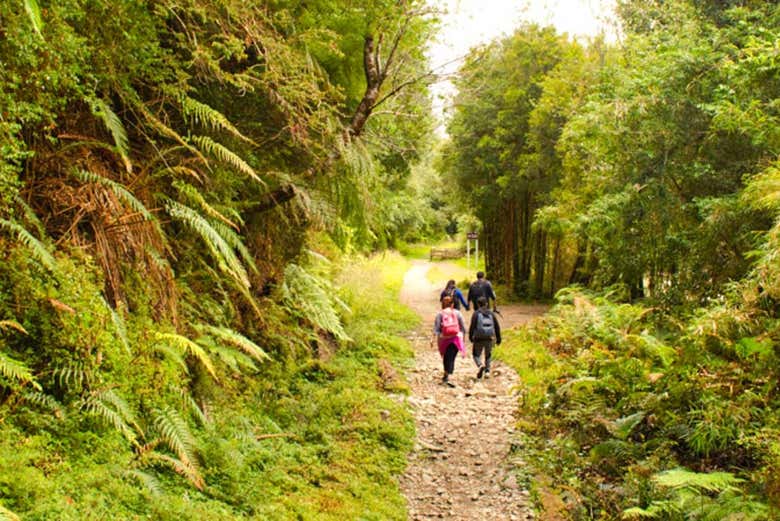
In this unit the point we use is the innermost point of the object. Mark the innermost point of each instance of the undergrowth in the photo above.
(630, 413)
(312, 427)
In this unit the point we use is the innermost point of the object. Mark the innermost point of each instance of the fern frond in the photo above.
(236, 360)
(236, 339)
(73, 376)
(7, 515)
(16, 371)
(173, 353)
(119, 327)
(219, 247)
(180, 467)
(190, 403)
(176, 434)
(12, 324)
(225, 155)
(625, 425)
(164, 129)
(30, 215)
(34, 14)
(193, 194)
(45, 401)
(118, 189)
(312, 296)
(122, 407)
(235, 242)
(96, 406)
(36, 247)
(701, 481)
(114, 125)
(151, 483)
(186, 345)
(207, 116)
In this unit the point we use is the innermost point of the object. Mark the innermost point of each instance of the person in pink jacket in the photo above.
(449, 329)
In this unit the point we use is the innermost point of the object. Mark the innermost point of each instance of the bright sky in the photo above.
(467, 23)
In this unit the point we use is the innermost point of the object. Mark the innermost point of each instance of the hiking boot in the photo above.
(480, 372)
(486, 375)
(450, 384)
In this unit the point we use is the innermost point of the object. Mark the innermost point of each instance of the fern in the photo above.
(36, 247)
(7, 515)
(190, 403)
(172, 353)
(624, 426)
(204, 114)
(236, 360)
(227, 156)
(193, 194)
(176, 435)
(12, 324)
(118, 189)
(119, 326)
(118, 416)
(73, 376)
(34, 14)
(30, 216)
(312, 296)
(185, 345)
(150, 482)
(699, 481)
(182, 468)
(114, 125)
(16, 371)
(219, 247)
(45, 401)
(236, 339)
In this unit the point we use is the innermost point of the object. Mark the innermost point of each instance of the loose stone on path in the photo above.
(460, 468)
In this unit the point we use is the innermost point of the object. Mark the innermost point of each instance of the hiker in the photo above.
(447, 330)
(481, 288)
(455, 294)
(483, 330)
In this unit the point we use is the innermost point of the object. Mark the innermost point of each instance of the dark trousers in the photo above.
(449, 358)
(476, 352)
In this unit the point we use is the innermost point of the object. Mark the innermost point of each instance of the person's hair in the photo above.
(450, 284)
(482, 302)
(480, 274)
(446, 302)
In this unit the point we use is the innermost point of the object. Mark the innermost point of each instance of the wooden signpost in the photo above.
(472, 236)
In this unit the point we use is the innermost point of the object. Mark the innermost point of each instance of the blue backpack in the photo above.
(485, 329)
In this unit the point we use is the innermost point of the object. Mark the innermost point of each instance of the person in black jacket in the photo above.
(483, 331)
(481, 288)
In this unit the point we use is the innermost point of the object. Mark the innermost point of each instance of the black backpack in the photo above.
(451, 293)
(477, 290)
(485, 329)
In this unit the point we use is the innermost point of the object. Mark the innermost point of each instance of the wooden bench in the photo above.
(446, 253)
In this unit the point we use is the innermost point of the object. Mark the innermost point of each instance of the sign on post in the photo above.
(472, 236)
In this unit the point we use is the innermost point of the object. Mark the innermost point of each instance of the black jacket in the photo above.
(473, 325)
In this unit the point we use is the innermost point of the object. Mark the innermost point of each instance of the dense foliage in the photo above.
(171, 344)
(622, 164)
(645, 172)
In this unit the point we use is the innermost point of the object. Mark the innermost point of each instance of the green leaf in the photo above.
(34, 14)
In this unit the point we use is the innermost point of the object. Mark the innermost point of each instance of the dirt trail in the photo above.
(460, 467)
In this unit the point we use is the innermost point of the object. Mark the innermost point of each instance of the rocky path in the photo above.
(460, 467)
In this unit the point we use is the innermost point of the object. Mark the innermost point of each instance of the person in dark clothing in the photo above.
(481, 288)
(455, 294)
(483, 331)
(449, 328)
